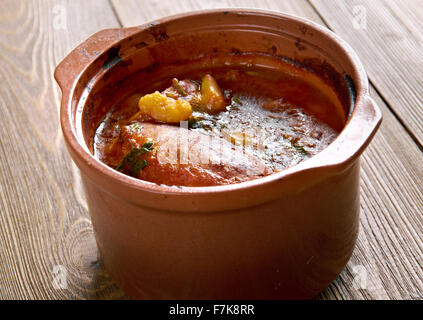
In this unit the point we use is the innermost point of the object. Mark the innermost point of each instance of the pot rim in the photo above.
(317, 161)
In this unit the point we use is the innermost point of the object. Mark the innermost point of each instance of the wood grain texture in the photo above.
(136, 12)
(44, 221)
(390, 45)
(410, 14)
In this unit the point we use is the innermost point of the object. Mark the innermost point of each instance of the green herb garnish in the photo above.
(178, 87)
(136, 126)
(194, 123)
(252, 73)
(132, 162)
(236, 102)
(298, 147)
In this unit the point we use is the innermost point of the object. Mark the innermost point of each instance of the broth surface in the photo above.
(270, 121)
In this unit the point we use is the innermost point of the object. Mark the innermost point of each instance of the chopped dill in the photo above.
(136, 126)
(178, 87)
(132, 162)
(236, 102)
(298, 147)
(194, 122)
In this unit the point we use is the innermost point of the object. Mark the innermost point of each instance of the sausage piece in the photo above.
(182, 157)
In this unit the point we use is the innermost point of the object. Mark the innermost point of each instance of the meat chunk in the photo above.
(182, 157)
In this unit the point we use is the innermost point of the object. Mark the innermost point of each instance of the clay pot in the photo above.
(287, 235)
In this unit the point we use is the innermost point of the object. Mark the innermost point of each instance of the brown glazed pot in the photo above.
(287, 235)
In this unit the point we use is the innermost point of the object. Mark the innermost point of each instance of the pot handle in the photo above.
(72, 65)
(358, 132)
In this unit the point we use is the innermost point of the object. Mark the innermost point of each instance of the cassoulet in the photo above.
(217, 126)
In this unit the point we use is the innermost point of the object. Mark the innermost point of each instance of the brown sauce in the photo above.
(270, 121)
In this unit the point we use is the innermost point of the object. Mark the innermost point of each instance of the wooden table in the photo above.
(45, 229)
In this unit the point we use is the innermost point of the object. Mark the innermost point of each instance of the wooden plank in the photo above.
(387, 262)
(43, 222)
(136, 12)
(390, 44)
(410, 13)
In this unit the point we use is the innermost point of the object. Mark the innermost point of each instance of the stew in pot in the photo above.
(220, 126)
